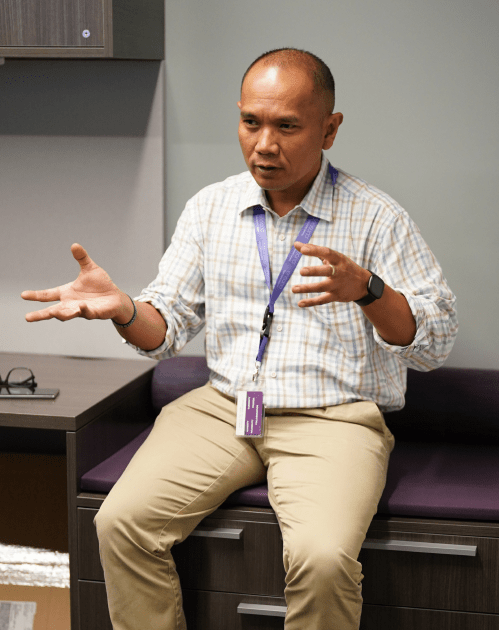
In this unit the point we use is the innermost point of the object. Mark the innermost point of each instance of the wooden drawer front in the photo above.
(388, 617)
(228, 611)
(89, 566)
(94, 611)
(219, 555)
(232, 556)
(431, 571)
(206, 610)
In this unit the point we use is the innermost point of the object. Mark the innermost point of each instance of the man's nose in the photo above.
(267, 142)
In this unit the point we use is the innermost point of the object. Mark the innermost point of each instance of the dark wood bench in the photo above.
(431, 556)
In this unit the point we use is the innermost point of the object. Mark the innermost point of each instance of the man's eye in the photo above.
(250, 122)
(287, 125)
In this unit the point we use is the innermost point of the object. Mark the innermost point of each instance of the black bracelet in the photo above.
(134, 316)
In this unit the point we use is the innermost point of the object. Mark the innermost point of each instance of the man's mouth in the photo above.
(265, 168)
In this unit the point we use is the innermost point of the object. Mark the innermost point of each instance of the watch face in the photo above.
(376, 286)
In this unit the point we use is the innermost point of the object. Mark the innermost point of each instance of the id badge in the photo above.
(250, 412)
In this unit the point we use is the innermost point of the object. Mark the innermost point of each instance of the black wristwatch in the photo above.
(375, 288)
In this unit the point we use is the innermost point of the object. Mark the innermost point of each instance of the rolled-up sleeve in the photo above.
(177, 292)
(408, 265)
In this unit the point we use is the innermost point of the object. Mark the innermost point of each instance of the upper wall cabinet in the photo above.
(106, 29)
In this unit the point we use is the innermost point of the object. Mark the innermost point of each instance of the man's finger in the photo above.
(313, 287)
(317, 270)
(317, 250)
(47, 295)
(323, 298)
(55, 312)
(37, 316)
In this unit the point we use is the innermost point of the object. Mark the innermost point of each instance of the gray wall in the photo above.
(81, 160)
(82, 146)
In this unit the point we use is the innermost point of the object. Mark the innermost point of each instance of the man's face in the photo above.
(282, 127)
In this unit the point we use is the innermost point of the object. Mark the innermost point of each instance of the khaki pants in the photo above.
(326, 471)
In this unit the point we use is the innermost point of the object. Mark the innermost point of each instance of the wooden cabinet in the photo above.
(418, 573)
(431, 573)
(117, 29)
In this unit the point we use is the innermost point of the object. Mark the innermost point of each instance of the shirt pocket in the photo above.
(347, 323)
(232, 335)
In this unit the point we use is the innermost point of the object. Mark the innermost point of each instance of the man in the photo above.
(327, 365)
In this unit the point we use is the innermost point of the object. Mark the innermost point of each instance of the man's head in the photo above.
(287, 98)
(319, 72)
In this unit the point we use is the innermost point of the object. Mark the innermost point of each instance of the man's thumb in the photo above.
(80, 254)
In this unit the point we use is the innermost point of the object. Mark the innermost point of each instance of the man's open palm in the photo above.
(93, 295)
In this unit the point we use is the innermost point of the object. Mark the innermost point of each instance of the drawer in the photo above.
(232, 556)
(219, 555)
(89, 566)
(228, 611)
(207, 610)
(93, 609)
(203, 610)
(390, 617)
(431, 571)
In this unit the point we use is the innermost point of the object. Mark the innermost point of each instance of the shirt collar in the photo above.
(318, 201)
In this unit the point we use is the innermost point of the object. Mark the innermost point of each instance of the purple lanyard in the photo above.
(287, 269)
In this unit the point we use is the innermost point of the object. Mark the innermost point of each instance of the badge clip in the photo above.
(257, 370)
(267, 323)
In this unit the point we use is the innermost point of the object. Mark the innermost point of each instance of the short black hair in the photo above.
(320, 73)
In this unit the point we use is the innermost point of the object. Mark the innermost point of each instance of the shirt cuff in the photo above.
(420, 341)
(161, 352)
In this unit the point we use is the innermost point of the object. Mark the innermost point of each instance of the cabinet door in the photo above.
(46, 23)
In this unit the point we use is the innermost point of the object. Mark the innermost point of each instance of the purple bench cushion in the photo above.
(175, 377)
(424, 479)
(442, 481)
(445, 463)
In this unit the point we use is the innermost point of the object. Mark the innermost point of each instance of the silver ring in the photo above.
(326, 262)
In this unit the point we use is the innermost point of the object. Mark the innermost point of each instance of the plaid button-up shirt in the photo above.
(317, 356)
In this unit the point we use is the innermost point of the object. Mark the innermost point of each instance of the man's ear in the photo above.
(332, 126)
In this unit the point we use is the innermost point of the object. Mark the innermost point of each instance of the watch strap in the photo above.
(370, 297)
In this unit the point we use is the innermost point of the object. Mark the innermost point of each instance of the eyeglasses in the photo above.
(19, 377)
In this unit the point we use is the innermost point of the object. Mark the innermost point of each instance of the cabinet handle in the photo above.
(385, 545)
(217, 532)
(420, 547)
(262, 609)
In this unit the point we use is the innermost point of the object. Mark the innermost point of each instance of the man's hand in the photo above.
(391, 315)
(93, 295)
(348, 283)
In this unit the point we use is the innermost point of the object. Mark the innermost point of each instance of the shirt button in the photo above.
(279, 328)
(273, 375)
(282, 237)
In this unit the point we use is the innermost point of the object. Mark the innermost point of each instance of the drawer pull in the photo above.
(218, 532)
(262, 609)
(420, 547)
